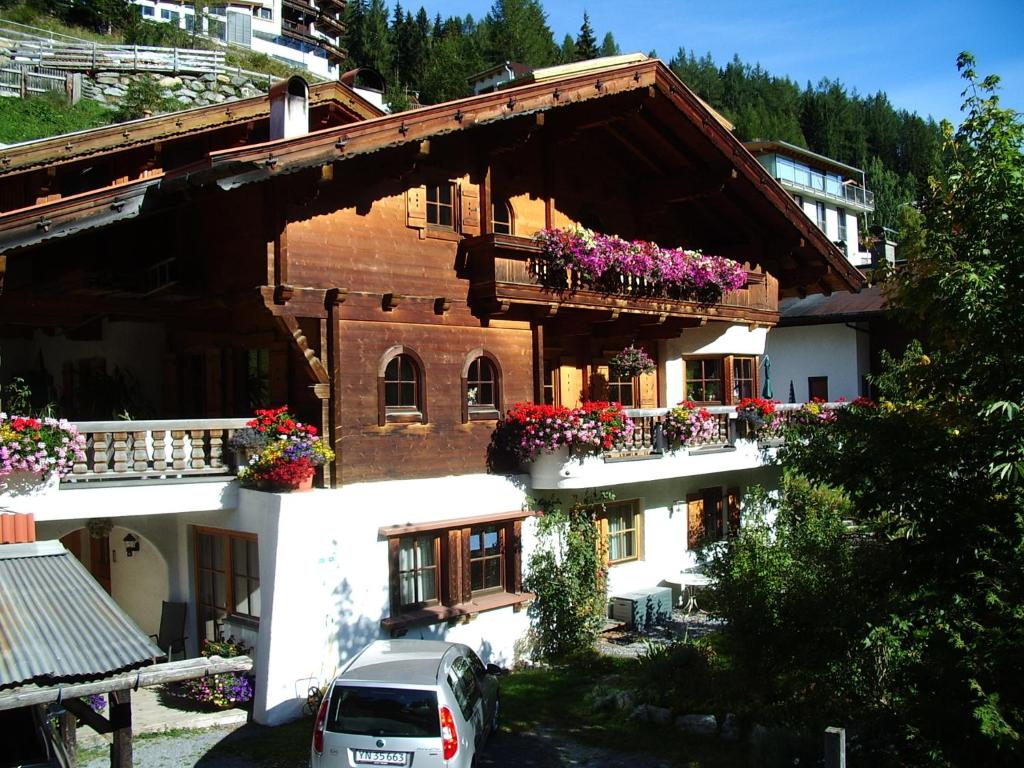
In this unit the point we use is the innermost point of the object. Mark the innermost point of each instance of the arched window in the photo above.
(400, 387)
(481, 386)
(501, 217)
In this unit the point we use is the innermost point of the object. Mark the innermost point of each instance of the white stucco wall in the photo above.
(714, 338)
(834, 350)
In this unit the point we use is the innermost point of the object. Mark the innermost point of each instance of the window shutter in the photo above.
(734, 510)
(695, 531)
(416, 207)
(599, 382)
(469, 197)
(467, 574)
(649, 390)
(393, 588)
(513, 537)
(571, 380)
(727, 380)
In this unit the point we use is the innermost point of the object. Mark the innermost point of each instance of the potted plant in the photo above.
(290, 455)
(36, 453)
(757, 417)
(631, 361)
(529, 430)
(689, 424)
(244, 444)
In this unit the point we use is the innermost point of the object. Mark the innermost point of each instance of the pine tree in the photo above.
(354, 39)
(377, 38)
(586, 43)
(609, 47)
(517, 30)
(567, 53)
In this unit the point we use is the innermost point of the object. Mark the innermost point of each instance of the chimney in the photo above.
(17, 527)
(289, 108)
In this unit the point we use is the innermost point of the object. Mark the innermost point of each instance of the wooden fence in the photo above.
(95, 57)
(29, 80)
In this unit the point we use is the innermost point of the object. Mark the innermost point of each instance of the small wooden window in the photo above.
(418, 558)
(481, 386)
(621, 389)
(744, 378)
(486, 559)
(400, 387)
(704, 380)
(501, 217)
(622, 532)
(440, 205)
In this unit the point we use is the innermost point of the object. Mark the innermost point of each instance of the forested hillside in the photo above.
(430, 59)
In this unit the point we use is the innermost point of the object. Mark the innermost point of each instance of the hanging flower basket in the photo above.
(632, 361)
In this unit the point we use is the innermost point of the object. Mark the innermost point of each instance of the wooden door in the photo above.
(99, 561)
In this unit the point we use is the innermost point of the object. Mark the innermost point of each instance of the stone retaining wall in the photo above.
(188, 90)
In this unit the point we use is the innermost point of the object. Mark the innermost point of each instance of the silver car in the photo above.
(414, 703)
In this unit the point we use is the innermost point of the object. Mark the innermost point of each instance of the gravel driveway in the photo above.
(542, 749)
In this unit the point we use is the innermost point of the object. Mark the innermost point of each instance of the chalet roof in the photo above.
(120, 136)
(818, 308)
(650, 78)
(56, 622)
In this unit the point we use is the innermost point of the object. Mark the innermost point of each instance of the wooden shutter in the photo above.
(695, 530)
(727, 379)
(416, 207)
(599, 382)
(512, 536)
(393, 588)
(571, 381)
(649, 390)
(452, 559)
(733, 496)
(469, 197)
(467, 572)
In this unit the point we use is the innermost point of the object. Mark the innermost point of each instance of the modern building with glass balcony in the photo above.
(832, 194)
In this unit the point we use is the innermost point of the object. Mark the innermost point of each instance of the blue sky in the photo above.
(907, 48)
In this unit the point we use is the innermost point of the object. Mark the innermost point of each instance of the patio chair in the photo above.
(171, 637)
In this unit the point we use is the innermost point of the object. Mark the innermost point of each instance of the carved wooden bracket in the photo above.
(283, 293)
(315, 368)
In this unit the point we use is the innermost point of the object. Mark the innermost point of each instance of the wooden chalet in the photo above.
(294, 270)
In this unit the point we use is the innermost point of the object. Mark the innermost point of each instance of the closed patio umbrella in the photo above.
(766, 384)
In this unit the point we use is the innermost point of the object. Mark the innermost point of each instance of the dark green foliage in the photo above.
(567, 572)
(517, 30)
(936, 474)
(586, 43)
(42, 116)
(608, 46)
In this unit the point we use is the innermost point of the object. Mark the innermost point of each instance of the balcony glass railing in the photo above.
(848, 194)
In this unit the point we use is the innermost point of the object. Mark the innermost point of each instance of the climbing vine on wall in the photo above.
(568, 574)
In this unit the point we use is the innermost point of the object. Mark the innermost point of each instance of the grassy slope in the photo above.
(41, 116)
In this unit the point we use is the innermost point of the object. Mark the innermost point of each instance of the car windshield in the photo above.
(397, 712)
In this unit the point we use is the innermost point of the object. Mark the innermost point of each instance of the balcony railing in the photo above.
(505, 269)
(851, 194)
(154, 450)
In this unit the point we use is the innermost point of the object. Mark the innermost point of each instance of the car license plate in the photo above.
(367, 757)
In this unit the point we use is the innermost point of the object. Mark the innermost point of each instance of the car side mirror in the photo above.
(494, 669)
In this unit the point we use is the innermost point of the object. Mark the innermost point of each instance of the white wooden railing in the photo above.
(154, 450)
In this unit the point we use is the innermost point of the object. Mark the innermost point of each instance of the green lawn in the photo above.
(42, 116)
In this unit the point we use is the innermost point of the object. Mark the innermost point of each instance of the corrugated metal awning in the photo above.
(57, 624)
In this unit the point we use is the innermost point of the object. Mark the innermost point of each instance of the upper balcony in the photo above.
(506, 270)
(646, 457)
(848, 195)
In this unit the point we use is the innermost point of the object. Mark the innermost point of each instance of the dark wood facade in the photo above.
(321, 260)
